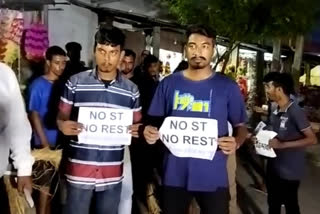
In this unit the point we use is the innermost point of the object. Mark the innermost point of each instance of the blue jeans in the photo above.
(79, 200)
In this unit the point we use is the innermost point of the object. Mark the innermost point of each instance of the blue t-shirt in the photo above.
(39, 100)
(218, 98)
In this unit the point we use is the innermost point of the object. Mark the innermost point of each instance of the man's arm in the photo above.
(34, 107)
(38, 128)
(237, 118)
(65, 125)
(18, 133)
(240, 134)
(308, 140)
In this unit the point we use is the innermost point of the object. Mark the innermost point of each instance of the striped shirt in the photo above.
(96, 166)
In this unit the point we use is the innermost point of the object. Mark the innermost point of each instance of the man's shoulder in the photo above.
(6, 74)
(224, 79)
(127, 84)
(294, 109)
(81, 76)
(38, 83)
(172, 78)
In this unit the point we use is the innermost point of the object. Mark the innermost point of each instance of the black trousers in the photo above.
(177, 201)
(282, 192)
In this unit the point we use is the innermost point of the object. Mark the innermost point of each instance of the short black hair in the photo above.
(148, 61)
(54, 51)
(202, 30)
(129, 52)
(109, 36)
(73, 46)
(283, 80)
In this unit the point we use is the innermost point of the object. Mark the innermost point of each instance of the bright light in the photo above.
(268, 56)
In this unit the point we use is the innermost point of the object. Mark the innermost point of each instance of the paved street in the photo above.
(253, 202)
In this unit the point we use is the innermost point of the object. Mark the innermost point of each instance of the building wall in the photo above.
(136, 42)
(73, 23)
(171, 41)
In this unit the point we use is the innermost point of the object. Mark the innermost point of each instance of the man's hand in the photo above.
(24, 182)
(254, 139)
(275, 144)
(228, 145)
(151, 134)
(70, 128)
(134, 130)
(45, 144)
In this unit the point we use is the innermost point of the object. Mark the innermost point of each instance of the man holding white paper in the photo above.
(204, 101)
(294, 133)
(95, 111)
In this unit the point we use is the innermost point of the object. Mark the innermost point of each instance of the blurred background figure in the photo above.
(139, 69)
(74, 65)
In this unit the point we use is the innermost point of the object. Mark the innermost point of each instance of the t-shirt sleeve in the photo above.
(34, 98)
(158, 104)
(136, 105)
(67, 98)
(236, 107)
(299, 117)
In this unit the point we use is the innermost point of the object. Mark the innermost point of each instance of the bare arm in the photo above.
(38, 128)
(66, 126)
(240, 134)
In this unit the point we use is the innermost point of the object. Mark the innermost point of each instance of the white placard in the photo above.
(105, 126)
(190, 137)
(262, 144)
(260, 127)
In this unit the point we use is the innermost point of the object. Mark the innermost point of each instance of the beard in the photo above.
(105, 68)
(198, 63)
(126, 71)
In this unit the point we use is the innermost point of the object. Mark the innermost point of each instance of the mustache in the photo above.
(198, 57)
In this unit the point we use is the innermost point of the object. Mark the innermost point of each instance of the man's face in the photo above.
(154, 70)
(127, 64)
(107, 57)
(272, 91)
(57, 64)
(199, 51)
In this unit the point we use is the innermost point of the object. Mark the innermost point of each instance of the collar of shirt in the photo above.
(277, 111)
(118, 78)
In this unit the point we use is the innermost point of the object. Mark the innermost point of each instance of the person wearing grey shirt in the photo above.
(15, 130)
(289, 121)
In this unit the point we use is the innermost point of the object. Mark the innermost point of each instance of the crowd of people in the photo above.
(106, 179)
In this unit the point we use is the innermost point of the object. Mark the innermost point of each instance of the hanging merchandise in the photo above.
(11, 27)
(36, 40)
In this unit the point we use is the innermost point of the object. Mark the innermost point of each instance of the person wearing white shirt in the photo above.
(15, 130)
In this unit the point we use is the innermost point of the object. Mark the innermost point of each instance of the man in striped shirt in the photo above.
(96, 171)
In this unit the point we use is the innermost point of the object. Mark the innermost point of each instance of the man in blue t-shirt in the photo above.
(43, 99)
(289, 121)
(200, 93)
(43, 96)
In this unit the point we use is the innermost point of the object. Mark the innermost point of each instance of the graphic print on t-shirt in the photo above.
(188, 102)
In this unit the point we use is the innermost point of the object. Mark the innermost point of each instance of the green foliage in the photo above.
(248, 20)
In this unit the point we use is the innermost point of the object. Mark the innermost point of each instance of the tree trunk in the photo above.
(226, 55)
(297, 60)
(308, 74)
(156, 41)
(226, 60)
(276, 55)
(259, 83)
